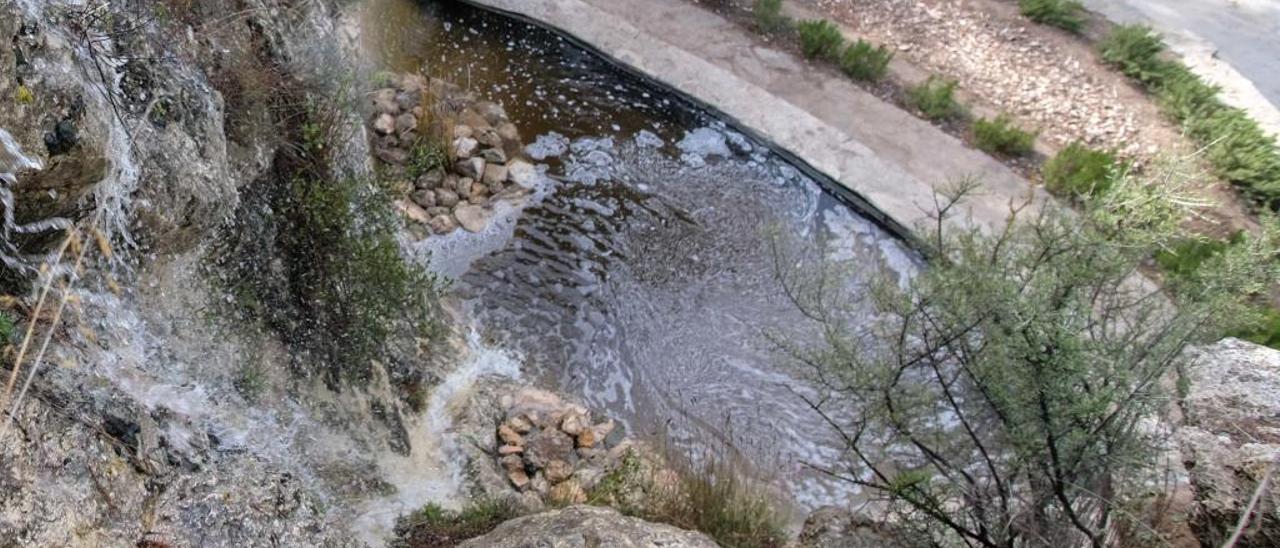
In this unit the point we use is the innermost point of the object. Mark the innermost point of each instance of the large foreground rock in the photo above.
(584, 526)
(1230, 438)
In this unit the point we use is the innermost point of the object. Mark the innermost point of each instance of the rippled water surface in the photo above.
(642, 278)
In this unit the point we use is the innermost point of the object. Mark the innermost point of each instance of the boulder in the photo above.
(582, 526)
(424, 198)
(446, 198)
(832, 527)
(443, 224)
(431, 179)
(1230, 437)
(473, 168)
(465, 147)
(384, 102)
(494, 156)
(412, 211)
(558, 471)
(495, 174)
(385, 124)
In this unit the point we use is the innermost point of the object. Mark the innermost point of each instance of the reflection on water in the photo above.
(642, 281)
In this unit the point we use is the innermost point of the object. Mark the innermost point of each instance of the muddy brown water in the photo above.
(642, 279)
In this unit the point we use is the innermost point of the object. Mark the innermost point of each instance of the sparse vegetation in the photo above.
(1007, 408)
(1079, 171)
(935, 98)
(863, 61)
(820, 39)
(1002, 136)
(24, 96)
(1239, 150)
(1064, 14)
(435, 527)
(1181, 264)
(713, 498)
(7, 327)
(769, 17)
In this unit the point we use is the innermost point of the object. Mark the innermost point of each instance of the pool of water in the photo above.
(642, 277)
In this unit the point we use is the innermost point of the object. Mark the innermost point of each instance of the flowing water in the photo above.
(641, 277)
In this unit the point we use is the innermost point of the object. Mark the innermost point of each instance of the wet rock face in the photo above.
(455, 154)
(587, 526)
(1230, 438)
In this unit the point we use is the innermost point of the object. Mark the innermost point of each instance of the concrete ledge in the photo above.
(883, 159)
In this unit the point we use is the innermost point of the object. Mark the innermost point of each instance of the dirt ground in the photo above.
(1047, 79)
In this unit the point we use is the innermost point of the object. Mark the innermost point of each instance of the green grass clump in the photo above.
(23, 96)
(1064, 14)
(426, 156)
(435, 527)
(1002, 136)
(820, 39)
(7, 328)
(862, 61)
(1266, 331)
(1237, 148)
(1134, 50)
(935, 98)
(769, 17)
(1079, 171)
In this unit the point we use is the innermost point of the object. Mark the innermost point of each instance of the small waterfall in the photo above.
(13, 162)
(428, 474)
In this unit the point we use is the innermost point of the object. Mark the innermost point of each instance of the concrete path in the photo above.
(890, 158)
(1232, 43)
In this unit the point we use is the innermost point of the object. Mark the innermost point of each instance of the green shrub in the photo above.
(1064, 14)
(1181, 265)
(435, 527)
(1266, 330)
(7, 328)
(1079, 171)
(862, 61)
(1002, 136)
(820, 39)
(1135, 51)
(769, 17)
(935, 98)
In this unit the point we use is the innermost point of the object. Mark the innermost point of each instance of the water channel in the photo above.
(641, 279)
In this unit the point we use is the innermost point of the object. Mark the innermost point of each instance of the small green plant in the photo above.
(1134, 50)
(1002, 136)
(436, 527)
(1266, 330)
(820, 39)
(862, 61)
(935, 98)
(426, 156)
(7, 327)
(23, 96)
(769, 17)
(1064, 14)
(1080, 171)
(1183, 259)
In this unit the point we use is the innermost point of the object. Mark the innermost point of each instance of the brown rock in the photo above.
(412, 211)
(438, 211)
(431, 179)
(473, 218)
(473, 168)
(588, 477)
(444, 224)
(489, 138)
(463, 131)
(393, 156)
(558, 471)
(520, 424)
(508, 132)
(510, 450)
(406, 122)
(511, 463)
(495, 174)
(408, 100)
(518, 478)
(573, 424)
(494, 156)
(603, 429)
(539, 484)
(506, 433)
(587, 438)
(384, 101)
(474, 120)
(464, 187)
(567, 492)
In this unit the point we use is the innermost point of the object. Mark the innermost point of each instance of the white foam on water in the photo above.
(433, 471)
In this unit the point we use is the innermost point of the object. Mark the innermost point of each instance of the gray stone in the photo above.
(547, 445)
(832, 527)
(447, 198)
(461, 131)
(408, 100)
(438, 211)
(494, 156)
(431, 179)
(1230, 437)
(464, 187)
(406, 122)
(465, 147)
(473, 168)
(584, 526)
(394, 156)
(412, 211)
(495, 174)
(424, 198)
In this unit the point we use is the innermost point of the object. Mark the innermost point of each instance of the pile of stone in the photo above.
(482, 151)
(554, 449)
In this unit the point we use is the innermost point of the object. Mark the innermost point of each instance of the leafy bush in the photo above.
(820, 39)
(1134, 50)
(1080, 171)
(769, 17)
(935, 98)
(862, 61)
(435, 527)
(1239, 150)
(1183, 259)
(1266, 330)
(1064, 14)
(1181, 265)
(1002, 136)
